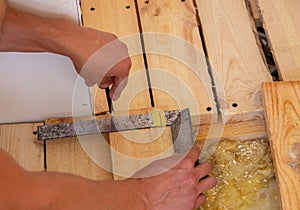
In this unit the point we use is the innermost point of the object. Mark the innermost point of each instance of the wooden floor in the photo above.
(169, 42)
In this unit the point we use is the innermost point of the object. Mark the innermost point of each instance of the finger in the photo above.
(206, 184)
(119, 85)
(200, 201)
(203, 170)
(191, 157)
(106, 82)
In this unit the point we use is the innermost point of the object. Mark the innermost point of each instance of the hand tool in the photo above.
(179, 120)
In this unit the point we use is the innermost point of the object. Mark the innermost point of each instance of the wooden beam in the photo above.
(282, 105)
(281, 21)
(237, 65)
(19, 141)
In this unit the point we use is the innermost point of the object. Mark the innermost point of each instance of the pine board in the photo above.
(119, 18)
(69, 155)
(281, 21)
(19, 141)
(235, 58)
(282, 102)
(175, 56)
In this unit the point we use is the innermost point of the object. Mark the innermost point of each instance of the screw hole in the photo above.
(208, 109)
(182, 0)
(92, 8)
(234, 105)
(146, 2)
(34, 132)
(127, 7)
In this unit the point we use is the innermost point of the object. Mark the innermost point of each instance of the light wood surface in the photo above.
(87, 157)
(282, 105)
(246, 130)
(282, 24)
(120, 18)
(19, 141)
(178, 70)
(123, 21)
(235, 58)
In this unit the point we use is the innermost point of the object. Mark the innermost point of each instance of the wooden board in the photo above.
(119, 18)
(177, 66)
(281, 21)
(19, 141)
(234, 56)
(69, 155)
(282, 105)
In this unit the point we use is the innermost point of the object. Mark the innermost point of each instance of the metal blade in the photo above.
(182, 133)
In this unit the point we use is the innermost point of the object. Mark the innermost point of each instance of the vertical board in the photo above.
(281, 21)
(234, 56)
(19, 141)
(120, 18)
(177, 66)
(282, 105)
(69, 155)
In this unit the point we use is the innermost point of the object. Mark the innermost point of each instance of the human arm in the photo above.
(24, 32)
(177, 188)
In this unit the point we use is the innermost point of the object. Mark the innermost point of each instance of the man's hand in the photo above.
(103, 60)
(99, 57)
(180, 187)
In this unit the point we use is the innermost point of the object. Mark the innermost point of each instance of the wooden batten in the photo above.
(282, 25)
(282, 107)
(237, 66)
(19, 141)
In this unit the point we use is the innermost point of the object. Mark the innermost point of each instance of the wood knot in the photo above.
(156, 12)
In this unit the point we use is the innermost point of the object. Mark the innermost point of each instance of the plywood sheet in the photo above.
(19, 141)
(282, 102)
(177, 67)
(281, 21)
(236, 62)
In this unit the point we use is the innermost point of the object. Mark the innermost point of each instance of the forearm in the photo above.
(25, 32)
(49, 190)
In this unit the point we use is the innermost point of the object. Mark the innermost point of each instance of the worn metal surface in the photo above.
(105, 125)
(182, 133)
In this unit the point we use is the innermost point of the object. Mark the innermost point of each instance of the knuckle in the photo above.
(189, 162)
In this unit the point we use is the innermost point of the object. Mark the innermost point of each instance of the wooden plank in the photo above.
(178, 69)
(239, 131)
(234, 56)
(281, 21)
(119, 18)
(19, 141)
(282, 105)
(69, 155)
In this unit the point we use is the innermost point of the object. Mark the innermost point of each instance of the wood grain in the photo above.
(236, 62)
(281, 21)
(87, 157)
(282, 102)
(19, 141)
(120, 18)
(177, 66)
